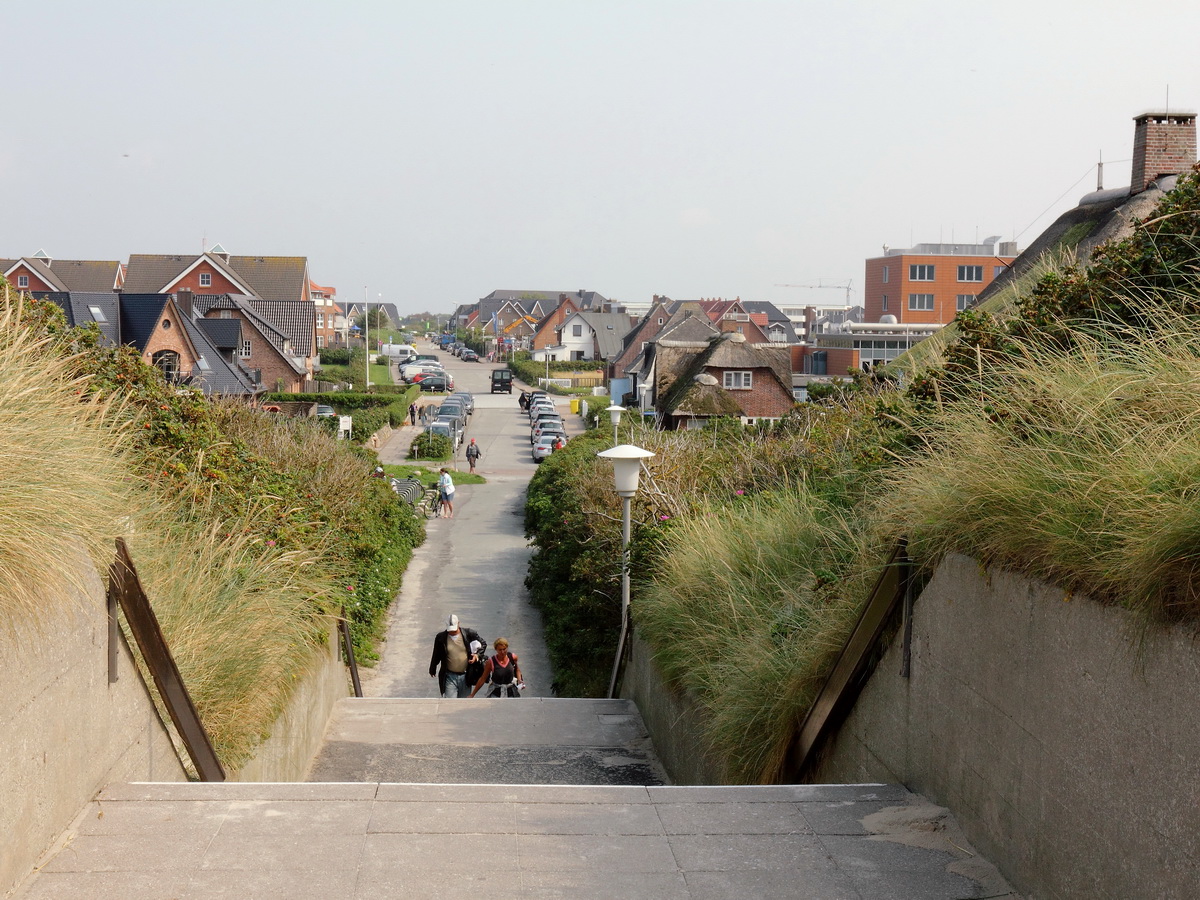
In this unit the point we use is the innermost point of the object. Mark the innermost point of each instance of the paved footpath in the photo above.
(417, 797)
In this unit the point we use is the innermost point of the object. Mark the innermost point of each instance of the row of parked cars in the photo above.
(462, 351)
(547, 432)
(450, 418)
(426, 371)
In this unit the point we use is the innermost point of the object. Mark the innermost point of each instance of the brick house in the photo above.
(278, 287)
(267, 351)
(726, 375)
(40, 272)
(325, 327)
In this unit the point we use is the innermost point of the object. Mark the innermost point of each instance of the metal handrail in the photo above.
(125, 588)
(836, 697)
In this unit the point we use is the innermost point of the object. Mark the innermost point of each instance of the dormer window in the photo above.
(206, 279)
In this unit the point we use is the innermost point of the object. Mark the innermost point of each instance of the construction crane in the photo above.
(820, 285)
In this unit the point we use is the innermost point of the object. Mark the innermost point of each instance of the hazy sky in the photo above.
(435, 151)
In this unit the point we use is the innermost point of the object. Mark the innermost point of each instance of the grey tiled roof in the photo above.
(226, 334)
(139, 314)
(610, 329)
(248, 306)
(295, 318)
(151, 272)
(42, 270)
(222, 377)
(79, 311)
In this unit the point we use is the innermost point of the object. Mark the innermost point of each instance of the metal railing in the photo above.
(836, 697)
(125, 590)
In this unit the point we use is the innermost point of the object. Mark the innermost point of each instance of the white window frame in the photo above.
(576, 330)
(920, 302)
(320, 341)
(320, 320)
(886, 273)
(997, 271)
(962, 301)
(737, 380)
(22, 281)
(921, 272)
(245, 350)
(969, 273)
(206, 279)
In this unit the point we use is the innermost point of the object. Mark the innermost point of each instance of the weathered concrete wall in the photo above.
(65, 731)
(671, 717)
(1067, 748)
(297, 734)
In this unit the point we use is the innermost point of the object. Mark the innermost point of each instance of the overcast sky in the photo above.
(434, 151)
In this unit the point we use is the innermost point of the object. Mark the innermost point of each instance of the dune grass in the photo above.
(64, 467)
(752, 602)
(1081, 468)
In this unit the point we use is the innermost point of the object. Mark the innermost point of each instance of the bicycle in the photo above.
(431, 503)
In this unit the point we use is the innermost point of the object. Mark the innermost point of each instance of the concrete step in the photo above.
(301, 841)
(528, 740)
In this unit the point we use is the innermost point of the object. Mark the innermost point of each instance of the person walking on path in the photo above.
(504, 671)
(455, 650)
(412, 413)
(446, 489)
(473, 454)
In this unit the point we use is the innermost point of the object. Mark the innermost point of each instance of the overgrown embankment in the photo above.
(247, 529)
(1055, 436)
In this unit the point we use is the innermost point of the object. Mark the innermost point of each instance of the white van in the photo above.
(398, 350)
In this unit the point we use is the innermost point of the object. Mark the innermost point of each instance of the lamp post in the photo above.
(627, 466)
(614, 415)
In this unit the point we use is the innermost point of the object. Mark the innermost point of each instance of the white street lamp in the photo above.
(614, 414)
(627, 466)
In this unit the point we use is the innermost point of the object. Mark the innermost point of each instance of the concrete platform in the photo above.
(530, 740)
(318, 841)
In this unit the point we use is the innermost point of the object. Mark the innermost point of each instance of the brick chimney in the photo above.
(1163, 144)
(183, 299)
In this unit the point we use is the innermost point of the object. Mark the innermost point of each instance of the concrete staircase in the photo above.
(539, 798)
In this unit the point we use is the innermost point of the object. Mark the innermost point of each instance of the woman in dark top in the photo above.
(504, 672)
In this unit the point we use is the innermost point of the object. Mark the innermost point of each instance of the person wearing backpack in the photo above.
(474, 454)
(504, 672)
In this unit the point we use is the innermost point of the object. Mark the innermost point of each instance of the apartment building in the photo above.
(930, 283)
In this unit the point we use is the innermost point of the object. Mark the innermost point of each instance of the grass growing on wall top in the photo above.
(63, 465)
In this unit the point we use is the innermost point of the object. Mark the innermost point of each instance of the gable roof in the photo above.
(295, 318)
(70, 275)
(268, 277)
(692, 393)
(205, 303)
(609, 328)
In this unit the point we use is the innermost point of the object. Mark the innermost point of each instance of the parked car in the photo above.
(431, 383)
(545, 425)
(537, 409)
(549, 426)
(410, 372)
(502, 381)
(450, 407)
(456, 428)
(325, 412)
(544, 417)
(466, 397)
(469, 355)
(542, 448)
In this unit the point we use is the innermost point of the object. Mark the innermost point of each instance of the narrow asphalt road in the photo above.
(473, 565)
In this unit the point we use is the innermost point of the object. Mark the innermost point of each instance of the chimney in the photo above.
(183, 299)
(1163, 144)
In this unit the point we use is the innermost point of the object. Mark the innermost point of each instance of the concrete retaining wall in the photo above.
(297, 734)
(65, 731)
(1065, 743)
(671, 717)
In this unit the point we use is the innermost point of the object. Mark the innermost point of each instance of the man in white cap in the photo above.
(454, 649)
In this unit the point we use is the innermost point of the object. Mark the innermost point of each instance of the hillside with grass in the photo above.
(248, 530)
(1053, 434)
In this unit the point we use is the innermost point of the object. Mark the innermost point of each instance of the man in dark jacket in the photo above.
(454, 650)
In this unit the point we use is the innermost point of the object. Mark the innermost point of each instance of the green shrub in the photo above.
(430, 446)
(335, 356)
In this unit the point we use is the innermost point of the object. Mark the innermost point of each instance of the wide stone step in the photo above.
(301, 841)
(529, 740)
